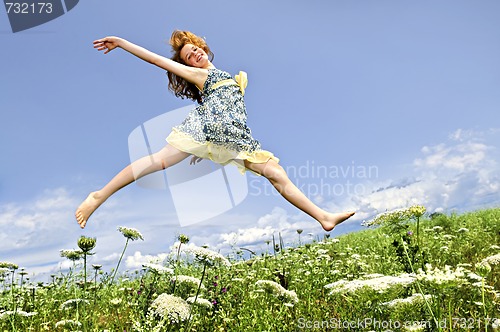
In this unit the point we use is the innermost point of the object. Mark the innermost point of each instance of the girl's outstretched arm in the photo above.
(191, 74)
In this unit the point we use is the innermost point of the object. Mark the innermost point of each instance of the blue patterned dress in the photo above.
(217, 129)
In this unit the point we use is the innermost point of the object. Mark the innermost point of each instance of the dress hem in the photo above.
(217, 153)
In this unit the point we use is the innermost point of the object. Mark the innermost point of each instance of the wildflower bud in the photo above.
(483, 268)
(86, 243)
(183, 238)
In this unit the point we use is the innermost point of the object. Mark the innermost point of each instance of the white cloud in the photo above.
(462, 173)
(136, 260)
(38, 222)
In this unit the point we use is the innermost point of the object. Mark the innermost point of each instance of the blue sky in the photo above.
(406, 89)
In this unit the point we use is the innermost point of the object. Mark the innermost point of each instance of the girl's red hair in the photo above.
(179, 86)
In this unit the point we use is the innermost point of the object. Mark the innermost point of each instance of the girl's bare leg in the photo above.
(164, 158)
(279, 179)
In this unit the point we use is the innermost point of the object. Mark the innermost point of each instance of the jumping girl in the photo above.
(214, 130)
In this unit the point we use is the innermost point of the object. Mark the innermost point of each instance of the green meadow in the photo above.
(407, 271)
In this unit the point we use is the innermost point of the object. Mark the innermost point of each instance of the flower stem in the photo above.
(84, 272)
(420, 288)
(176, 267)
(196, 296)
(119, 261)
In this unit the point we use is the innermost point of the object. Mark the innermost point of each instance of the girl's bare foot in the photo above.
(85, 210)
(333, 219)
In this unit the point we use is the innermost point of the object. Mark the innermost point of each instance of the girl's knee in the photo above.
(274, 171)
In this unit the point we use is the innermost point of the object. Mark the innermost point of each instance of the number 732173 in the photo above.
(28, 8)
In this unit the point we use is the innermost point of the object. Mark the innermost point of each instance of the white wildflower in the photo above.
(68, 323)
(474, 276)
(448, 237)
(130, 233)
(379, 284)
(415, 298)
(171, 307)
(207, 256)
(356, 256)
(439, 276)
(416, 327)
(199, 301)
(494, 247)
(116, 301)
(277, 290)
(9, 265)
(157, 268)
(18, 312)
(73, 303)
(335, 240)
(463, 230)
(188, 280)
(398, 215)
(492, 260)
(71, 254)
(437, 228)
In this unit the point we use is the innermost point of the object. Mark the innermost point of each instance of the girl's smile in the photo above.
(194, 56)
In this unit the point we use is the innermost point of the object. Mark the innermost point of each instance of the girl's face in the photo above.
(194, 56)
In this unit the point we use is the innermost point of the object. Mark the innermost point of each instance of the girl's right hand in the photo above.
(107, 44)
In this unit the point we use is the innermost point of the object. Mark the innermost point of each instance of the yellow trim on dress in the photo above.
(241, 80)
(217, 153)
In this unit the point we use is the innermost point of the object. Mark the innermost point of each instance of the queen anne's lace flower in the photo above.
(18, 312)
(441, 276)
(207, 256)
(188, 280)
(68, 323)
(492, 260)
(379, 284)
(412, 212)
(157, 268)
(72, 255)
(271, 287)
(171, 307)
(9, 265)
(130, 233)
(73, 303)
(4, 271)
(116, 301)
(415, 298)
(199, 301)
